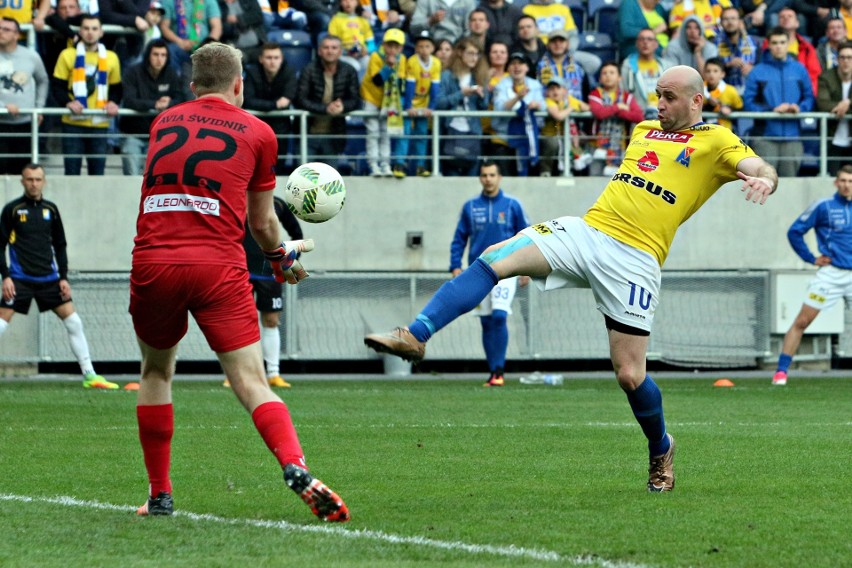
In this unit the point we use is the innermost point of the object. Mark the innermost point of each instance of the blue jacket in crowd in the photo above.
(450, 97)
(772, 82)
(831, 220)
(486, 221)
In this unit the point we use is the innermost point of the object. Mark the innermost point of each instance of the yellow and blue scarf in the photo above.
(79, 87)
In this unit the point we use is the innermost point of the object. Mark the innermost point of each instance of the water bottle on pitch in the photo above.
(542, 379)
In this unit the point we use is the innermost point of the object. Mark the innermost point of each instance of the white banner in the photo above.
(181, 202)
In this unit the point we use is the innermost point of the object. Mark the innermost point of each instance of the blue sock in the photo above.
(454, 298)
(495, 339)
(487, 330)
(647, 404)
(784, 362)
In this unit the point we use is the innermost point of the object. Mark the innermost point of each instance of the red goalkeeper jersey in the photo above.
(203, 156)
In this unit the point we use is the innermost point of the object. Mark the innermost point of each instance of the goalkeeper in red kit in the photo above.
(210, 167)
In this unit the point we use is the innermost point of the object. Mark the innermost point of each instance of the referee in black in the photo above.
(38, 267)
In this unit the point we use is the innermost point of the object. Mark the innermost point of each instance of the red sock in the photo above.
(156, 426)
(272, 420)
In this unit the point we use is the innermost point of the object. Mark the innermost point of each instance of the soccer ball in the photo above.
(315, 192)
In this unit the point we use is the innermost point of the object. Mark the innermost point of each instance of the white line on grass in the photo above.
(443, 425)
(510, 551)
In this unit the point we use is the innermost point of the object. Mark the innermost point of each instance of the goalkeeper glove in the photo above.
(284, 260)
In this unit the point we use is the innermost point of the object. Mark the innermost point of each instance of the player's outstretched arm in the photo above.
(282, 257)
(760, 180)
(284, 260)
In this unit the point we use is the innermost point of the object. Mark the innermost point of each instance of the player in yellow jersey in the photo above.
(671, 167)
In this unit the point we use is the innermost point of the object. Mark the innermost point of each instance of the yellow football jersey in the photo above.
(726, 95)
(372, 93)
(22, 11)
(423, 78)
(665, 178)
(352, 30)
(550, 17)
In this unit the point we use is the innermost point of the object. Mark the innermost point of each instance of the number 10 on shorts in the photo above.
(644, 296)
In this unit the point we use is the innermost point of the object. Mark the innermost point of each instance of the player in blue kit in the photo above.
(671, 167)
(830, 220)
(487, 219)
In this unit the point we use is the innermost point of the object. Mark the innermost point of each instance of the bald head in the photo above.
(681, 92)
(686, 77)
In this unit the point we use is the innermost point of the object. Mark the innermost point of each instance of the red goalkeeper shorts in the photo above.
(218, 297)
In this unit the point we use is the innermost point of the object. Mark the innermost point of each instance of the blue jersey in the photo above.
(485, 221)
(831, 220)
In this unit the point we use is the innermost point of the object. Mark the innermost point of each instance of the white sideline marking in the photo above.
(511, 550)
(443, 425)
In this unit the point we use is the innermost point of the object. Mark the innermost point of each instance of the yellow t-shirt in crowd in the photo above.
(728, 96)
(652, 70)
(351, 29)
(550, 17)
(423, 76)
(21, 11)
(708, 11)
(372, 93)
(64, 68)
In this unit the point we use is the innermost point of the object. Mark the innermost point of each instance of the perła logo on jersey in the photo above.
(663, 136)
(181, 202)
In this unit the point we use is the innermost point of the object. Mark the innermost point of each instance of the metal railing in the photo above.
(110, 29)
(300, 136)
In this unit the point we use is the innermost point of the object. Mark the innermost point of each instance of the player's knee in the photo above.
(629, 377)
(491, 254)
(73, 323)
(802, 321)
(269, 319)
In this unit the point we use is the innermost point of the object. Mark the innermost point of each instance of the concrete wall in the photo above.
(370, 233)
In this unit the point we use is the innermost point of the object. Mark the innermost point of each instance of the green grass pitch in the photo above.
(436, 473)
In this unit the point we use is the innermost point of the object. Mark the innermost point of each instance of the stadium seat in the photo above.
(296, 45)
(603, 15)
(600, 44)
(578, 12)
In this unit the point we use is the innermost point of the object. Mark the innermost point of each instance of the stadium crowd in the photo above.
(400, 60)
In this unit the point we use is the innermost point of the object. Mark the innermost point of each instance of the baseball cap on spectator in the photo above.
(555, 81)
(158, 7)
(557, 33)
(424, 36)
(519, 56)
(395, 35)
